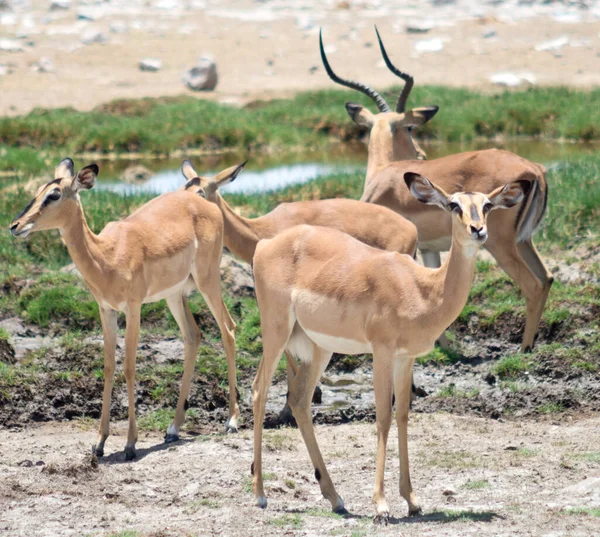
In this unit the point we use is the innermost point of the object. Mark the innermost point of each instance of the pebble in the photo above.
(554, 44)
(420, 26)
(203, 76)
(512, 79)
(118, 27)
(10, 45)
(489, 33)
(60, 5)
(92, 35)
(44, 65)
(150, 64)
(429, 45)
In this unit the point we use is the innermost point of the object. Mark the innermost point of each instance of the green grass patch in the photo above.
(586, 511)
(157, 420)
(550, 408)
(511, 367)
(287, 521)
(324, 513)
(476, 484)
(439, 356)
(452, 391)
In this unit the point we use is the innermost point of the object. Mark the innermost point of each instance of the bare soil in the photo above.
(473, 476)
(270, 48)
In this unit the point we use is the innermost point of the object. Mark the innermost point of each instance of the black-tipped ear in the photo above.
(86, 178)
(425, 191)
(65, 169)
(510, 194)
(195, 182)
(353, 109)
(238, 169)
(429, 111)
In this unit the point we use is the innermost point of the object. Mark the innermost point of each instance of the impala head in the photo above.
(469, 209)
(207, 186)
(391, 128)
(49, 208)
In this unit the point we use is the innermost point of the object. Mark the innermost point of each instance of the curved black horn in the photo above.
(379, 100)
(408, 80)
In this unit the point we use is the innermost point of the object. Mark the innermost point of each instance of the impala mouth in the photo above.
(23, 232)
(479, 238)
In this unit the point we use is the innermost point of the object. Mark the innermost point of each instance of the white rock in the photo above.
(92, 35)
(512, 79)
(44, 65)
(90, 13)
(8, 19)
(3, 70)
(330, 49)
(118, 27)
(304, 23)
(167, 4)
(554, 44)
(567, 17)
(58, 5)
(10, 45)
(202, 77)
(150, 64)
(429, 45)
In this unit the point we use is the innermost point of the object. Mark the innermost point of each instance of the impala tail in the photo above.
(533, 207)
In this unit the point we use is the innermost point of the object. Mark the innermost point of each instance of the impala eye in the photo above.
(455, 208)
(53, 196)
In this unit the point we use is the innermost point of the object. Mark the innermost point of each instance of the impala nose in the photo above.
(478, 233)
(13, 227)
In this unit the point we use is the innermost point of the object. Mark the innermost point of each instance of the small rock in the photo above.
(44, 65)
(313, 69)
(330, 49)
(554, 44)
(167, 4)
(60, 5)
(420, 26)
(92, 35)
(10, 45)
(304, 23)
(489, 33)
(449, 492)
(429, 45)
(511, 448)
(90, 13)
(3, 70)
(8, 19)
(118, 27)
(26, 463)
(512, 79)
(136, 174)
(150, 64)
(202, 77)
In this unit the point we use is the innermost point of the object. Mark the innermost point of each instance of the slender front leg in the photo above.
(132, 335)
(402, 381)
(109, 329)
(191, 341)
(384, 389)
(300, 398)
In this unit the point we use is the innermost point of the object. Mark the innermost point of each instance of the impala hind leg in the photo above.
(402, 375)
(132, 336)
(109, 328)
(210, 287)
(384, 391)
(276, 333)
(192, 336)
(535, 290)
(310, 371)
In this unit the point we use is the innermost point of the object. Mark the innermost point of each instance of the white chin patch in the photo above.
(25, 231)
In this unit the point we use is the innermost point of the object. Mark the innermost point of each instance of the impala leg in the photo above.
(210, 288)
(132, 335)
(534, 290)
(300, 399)
(109, 329)
(286, 416)
(402, 375)
(191, 341)
(432, 259)
(276, 334)
(382, 375)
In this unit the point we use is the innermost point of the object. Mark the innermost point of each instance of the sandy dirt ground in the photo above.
(473, 477)
(270, 48)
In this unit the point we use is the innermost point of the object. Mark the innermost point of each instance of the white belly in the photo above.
(339, 344)
(165, 293)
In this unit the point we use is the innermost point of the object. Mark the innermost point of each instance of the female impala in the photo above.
(510, 240)
(157, 252)
(320, 291)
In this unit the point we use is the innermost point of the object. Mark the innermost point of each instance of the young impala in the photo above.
(168, 244)
(372, 224)
(510, 234)
(320, 291)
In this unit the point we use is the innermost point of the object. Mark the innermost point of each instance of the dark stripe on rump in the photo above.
(522, 207)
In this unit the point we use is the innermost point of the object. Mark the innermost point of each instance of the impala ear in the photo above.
(86, 178)
(418, 116)
(425, 191)
(228, 175)
(188, 170)
(509, 195)
(362, 116)
(65, 169)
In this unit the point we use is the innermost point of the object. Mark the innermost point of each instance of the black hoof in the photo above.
(231, 429)
(317, 397)
(169, 438)
(98, 451)
(341, 511)
(130, 453)
(381, 520)
(415, 511)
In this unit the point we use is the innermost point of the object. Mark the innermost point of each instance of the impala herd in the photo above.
(334, 275)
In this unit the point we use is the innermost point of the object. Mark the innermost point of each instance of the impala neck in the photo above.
(241, 234)
(84, 247)
(452, 282)
(380, 150)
